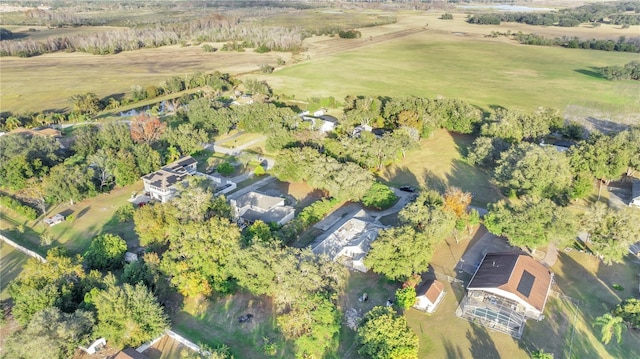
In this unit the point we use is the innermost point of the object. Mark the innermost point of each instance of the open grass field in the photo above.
(47, 81)
(11, 263)
(92, 217)
(485, 72)
(440, 163)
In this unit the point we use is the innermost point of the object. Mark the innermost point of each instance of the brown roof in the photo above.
(130, 353)
(433, 291)
(515, 273)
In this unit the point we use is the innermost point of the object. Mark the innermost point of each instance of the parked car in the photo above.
(407, 189)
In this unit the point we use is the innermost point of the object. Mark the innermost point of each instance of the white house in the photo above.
(161, 183)
(506, 290)
(429, 294)
(350, 243)
(253, 206)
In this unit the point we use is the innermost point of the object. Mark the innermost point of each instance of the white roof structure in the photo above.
(351, 241)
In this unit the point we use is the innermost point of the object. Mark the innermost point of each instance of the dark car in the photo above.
(245, 318)
(407, 189)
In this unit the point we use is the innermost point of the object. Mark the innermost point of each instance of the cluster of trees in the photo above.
(546, 179)
(17, 206)
(630, 71)
(61, 306)
(623, 44)
(400, 252)
(213, 28)
(626, 314)
(202, 253)
(569, 17)
(420, 114)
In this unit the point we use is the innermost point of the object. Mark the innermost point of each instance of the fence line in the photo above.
(23, 249)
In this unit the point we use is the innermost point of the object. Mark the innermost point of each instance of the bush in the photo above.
(406, 297)
(262, 49)
(446, 16)
(19, 208)
(350, 34)
(266, 68)
(259, 171)
(208, 48)
(379, 196)
(225, 169)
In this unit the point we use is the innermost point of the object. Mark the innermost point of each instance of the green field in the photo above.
(485, 72)
(439, 163)
(11, 263)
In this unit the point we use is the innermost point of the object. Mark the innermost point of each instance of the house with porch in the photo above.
(253, 206)
(505, 291)
(160, 184)
(350, 243)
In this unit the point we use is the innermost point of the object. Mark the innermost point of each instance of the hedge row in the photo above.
(18, 207)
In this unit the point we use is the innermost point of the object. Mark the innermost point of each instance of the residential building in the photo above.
(160, 184)
(429, 294)
(253, 206)
(350, 243)
(505, 291)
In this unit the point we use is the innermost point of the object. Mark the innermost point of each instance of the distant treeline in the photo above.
(623, 44)
(613, 13)
(213, 28)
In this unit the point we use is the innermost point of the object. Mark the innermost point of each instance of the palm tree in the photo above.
(12, 123)
(610, 325)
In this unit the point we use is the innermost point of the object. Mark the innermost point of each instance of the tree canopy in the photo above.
(385, 335)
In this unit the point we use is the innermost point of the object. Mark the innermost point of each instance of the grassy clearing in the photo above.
(439, 163)
(485, 72)
(92, 217)
(11, 263)
(216, 322)
(61, 75)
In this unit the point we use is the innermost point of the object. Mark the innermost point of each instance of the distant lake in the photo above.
(508, 8)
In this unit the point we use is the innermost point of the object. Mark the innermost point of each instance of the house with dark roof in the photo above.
(350, 243)
(253, 206)
(505, 291)
(161, 183)
(429, 294)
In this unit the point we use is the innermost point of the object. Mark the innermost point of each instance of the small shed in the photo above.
(53, 220)
(429, 295)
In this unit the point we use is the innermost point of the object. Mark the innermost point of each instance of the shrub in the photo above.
(208, 48)
(18, 207)
(225, 169)
(266, 68)
(350, 34)
(446, 16)
(405, 297)
(379, 196)
(262, 49)
(259, 171)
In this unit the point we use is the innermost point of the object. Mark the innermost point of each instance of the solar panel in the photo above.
(526, 283)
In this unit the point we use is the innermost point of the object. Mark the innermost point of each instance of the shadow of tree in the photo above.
(591, 72)
(399, 176)
(605, 125)
(452, 350)
(433, 181)
(473, 180)
(482, 346)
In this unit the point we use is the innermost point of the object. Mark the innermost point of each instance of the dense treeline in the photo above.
(614, 13)
(623, 44)
(214, 28)
(630, 71)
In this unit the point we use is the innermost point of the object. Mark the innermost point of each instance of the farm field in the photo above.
(46, 82)
(484, 72)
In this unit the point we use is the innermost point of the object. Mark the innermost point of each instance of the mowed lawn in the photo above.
(439, 163)
(11, 263)
(92, 217)
(485, 72)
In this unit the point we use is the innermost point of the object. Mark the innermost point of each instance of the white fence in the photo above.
(22, 249)
(173, 335)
